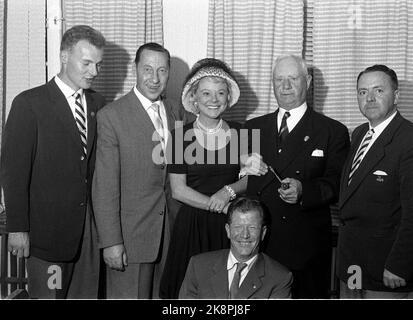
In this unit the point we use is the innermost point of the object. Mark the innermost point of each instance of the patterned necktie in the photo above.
(284, 129)
(158, 124)
(359, 155)
(80, 117)
(233, 290)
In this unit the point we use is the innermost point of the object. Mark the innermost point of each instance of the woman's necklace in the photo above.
(208, 130)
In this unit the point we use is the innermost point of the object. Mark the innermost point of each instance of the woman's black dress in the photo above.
(196, 230)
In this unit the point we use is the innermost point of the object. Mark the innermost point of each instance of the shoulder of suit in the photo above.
(259, 120)
(326, 120)
(209, 256)
(275, 265)
(118, 104)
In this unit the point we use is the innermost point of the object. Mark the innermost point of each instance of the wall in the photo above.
(185, 36)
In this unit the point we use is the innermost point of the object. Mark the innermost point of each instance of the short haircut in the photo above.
(300, 61)
(153, 46)
(244, 205)
(382, 68)
(82, 32)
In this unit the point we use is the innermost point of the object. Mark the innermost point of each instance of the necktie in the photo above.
(233, 290)
(158, 124)
(359, 155)
(283, 129)
(80, 117)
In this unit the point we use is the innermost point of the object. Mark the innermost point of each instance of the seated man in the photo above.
(241, 272)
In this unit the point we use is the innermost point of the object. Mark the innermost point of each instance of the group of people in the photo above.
(166, 195)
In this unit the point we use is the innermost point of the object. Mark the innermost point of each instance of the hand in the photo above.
(252, 164)
(219, 200)
(19, 244)
(392, 281)
(293, 194)
(225, 210)
(115, 257)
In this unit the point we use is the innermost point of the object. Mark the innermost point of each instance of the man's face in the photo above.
(376, 97)
(80, 65)
(245, 232)
(152, 73)
(290, 83)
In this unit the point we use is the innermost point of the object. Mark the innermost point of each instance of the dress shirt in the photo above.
(146, 103)
(70, 95)
(231, 267)
(377, 132)
(295, 116)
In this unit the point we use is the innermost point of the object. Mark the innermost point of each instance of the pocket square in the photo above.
(379, 173)
(317, 153)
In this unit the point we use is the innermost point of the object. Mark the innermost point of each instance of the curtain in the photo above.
(126, 24)
(349, 36)
(248, 35)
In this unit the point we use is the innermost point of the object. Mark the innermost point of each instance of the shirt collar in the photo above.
(296, 112)
(232, 261)
(380, 127)
(146, 103)
(66, 90)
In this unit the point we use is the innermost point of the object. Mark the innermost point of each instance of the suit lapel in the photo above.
(295, 142)
(373, 156)
(91, 121)
(252, 281)
(63, 112)
(219, 279)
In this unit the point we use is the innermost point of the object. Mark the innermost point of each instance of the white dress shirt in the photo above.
(70, 95)
(295, 116)
(231, 267)
(377, 132)
(146, 103)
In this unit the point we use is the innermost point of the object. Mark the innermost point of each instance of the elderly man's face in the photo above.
(152, 73)
(290, 83)
(245, 232)
(376, 97)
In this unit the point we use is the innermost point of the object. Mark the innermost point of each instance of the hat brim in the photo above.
(234, 91)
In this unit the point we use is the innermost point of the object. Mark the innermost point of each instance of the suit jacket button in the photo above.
(297, 172)
(161, 213)
(284, 218)
(279, 150)
(82, 204)
(162, 166)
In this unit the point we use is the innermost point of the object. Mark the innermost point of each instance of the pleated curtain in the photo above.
(126, 25)
(248, 35)
(349, 36)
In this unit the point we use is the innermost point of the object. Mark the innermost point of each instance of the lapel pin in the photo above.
(306, 138)
(380, 179)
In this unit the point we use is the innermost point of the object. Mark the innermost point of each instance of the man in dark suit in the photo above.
(47, 163)
(375, 246)
(308, 150)
(241, 272)
(131, 193)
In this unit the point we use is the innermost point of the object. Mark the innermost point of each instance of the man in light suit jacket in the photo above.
(375, 245)
(47, 163)
(308, 150)
(131, 195)
(241, 272)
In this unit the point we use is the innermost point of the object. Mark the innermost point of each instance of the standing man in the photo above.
(131, 194)
(308, 150)
(241, 272)
(375, 246)
(47, 163)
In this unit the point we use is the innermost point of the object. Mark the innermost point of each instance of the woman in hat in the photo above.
(204, 169)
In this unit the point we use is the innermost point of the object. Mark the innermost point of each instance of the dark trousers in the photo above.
(313, 282)
(68, 280)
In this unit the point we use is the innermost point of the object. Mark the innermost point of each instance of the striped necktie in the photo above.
(233, 290)
(359, 155)
(284, 129)
(158, 124)
(80, 117)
